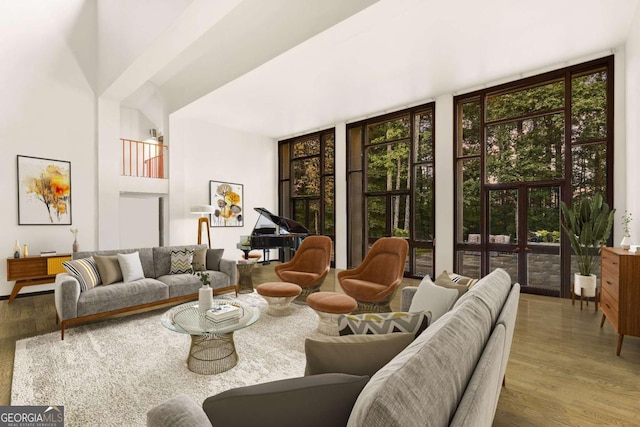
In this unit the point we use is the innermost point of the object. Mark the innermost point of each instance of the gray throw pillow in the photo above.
(353, 354)
(445, 281)
(109, 268)
(213, 259)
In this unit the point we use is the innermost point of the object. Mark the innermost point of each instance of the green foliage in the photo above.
(400, 232)
(588, 226)
(204, 277)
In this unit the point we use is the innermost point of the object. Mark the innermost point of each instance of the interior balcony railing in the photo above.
(144, 159)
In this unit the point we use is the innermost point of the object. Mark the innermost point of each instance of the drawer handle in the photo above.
(607, 305)
(608, 282)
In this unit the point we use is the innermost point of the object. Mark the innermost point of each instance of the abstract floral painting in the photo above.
(227, 200)
(44, 191)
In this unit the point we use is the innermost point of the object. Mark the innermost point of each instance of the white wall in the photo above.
(201, 152)
(47, 110)
(632, 69)
(126, 28)
(138, 221)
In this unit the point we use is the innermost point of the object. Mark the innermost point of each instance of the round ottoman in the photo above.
(279, 296)
(328, 306)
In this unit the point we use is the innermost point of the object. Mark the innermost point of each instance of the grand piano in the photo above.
(273, 232)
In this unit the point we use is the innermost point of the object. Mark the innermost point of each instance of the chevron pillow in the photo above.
(383, 323)
(85, 271)
(181, 261)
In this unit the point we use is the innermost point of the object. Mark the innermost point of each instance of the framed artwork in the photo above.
(228, 201)
(44, 191)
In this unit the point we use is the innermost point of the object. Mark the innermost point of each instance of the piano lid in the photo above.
(286, 224)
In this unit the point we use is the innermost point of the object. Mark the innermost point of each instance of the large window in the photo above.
(390, 180)
(306, 178)
(522, 148)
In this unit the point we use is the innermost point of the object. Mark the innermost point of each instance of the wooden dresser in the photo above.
(620, 295)
(33, 270)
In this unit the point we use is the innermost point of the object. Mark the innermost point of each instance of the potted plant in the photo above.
(205, 295)
(588, 226)
(626, 224)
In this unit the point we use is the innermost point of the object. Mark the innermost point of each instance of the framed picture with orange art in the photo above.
(227, 200)
(44, 191)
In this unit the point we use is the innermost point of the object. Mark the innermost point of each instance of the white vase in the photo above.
(584, 285)
(205, 298)
(626, 242)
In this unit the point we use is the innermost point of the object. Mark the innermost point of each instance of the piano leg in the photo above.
(265, 257)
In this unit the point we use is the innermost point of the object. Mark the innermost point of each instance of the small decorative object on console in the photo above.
(222, 312)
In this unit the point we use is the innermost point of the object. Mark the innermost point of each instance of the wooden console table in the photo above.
(620, 294)
(34, 270)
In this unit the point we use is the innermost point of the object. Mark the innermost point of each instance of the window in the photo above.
(520, 149)
(306, 181)
(390, 183)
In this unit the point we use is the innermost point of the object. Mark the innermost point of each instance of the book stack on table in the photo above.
(223, 313)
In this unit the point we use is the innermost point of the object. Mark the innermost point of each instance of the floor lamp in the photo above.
(204, 211)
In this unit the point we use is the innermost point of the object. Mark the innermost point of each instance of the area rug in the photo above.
(111, 373)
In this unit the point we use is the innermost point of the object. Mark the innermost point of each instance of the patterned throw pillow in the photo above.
(462, 280)
(85, 271)
(181, 261)
(383, 323)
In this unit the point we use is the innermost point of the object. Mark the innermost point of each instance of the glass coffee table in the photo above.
(212, 348)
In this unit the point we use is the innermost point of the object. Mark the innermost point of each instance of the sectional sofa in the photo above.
(451, 374)
(75, 305)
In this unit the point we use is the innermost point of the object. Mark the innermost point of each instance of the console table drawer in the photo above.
(611, 284)
(611, 262)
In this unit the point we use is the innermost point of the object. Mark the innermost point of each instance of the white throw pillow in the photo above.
(436, 299)
(131, 267)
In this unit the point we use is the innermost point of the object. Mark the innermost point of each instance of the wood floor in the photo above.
(562, 371)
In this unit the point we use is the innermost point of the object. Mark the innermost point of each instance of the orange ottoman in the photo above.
(329, 306)
(279, 296)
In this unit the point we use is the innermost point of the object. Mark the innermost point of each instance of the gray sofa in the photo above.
(158, 286)
(451, 374)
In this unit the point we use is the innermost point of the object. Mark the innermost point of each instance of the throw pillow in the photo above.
(463, 280)
(131, 267)
(445, 281)
(85, 271)
(353, 354)
(436, 299)
(181, 261)
(109, 268)
(199, 259)
(213, 259)
(383, 323)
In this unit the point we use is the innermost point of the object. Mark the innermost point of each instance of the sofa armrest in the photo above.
(228, 267)
(316, 400)
(66, 295)
(408, 292)
(179, 411)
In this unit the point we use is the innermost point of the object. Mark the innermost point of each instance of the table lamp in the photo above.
(204, 211)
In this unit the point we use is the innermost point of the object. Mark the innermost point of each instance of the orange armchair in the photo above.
(309, 266)
(374, 282)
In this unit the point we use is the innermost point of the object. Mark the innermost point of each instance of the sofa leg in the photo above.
(504, 381)
(62, 324)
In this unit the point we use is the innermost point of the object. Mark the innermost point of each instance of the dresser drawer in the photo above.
(611, 262)
(609, 307)
(610, 283)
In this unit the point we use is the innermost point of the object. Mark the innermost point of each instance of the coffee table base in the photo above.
(212, 354)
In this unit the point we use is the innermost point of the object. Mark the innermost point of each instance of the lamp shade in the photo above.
(202, 209)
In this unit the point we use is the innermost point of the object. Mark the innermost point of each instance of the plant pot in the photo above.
(584, 285)
(205, 298)
(626, 242)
